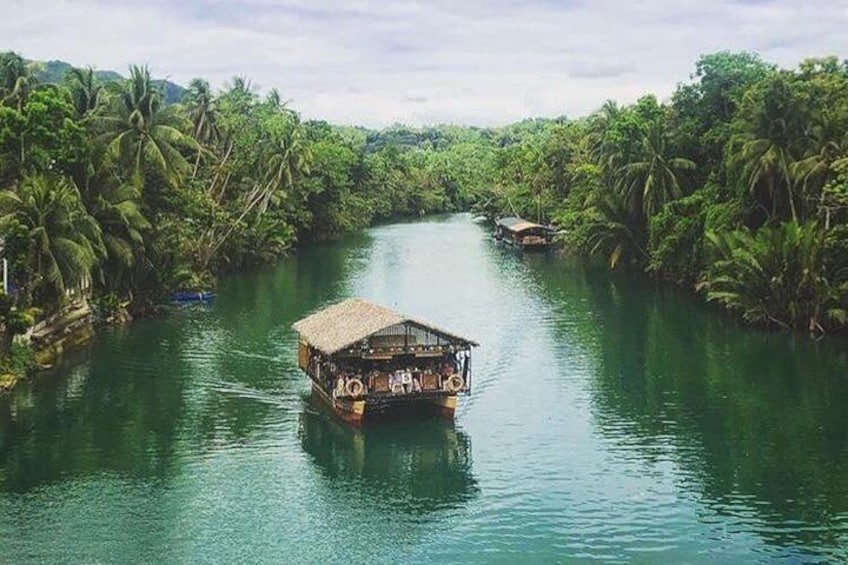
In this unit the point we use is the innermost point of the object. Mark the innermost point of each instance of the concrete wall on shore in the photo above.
(55, 334)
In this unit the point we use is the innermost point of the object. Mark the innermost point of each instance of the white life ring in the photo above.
(454, 384)
(354, 388)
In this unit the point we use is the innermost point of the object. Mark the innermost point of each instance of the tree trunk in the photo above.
(5, 342)
(196, 165)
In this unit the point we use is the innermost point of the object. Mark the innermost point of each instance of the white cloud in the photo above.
(373, 63)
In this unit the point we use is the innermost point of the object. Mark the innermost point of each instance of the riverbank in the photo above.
(8, 380)
(15, 367)
(47, 341)
(52, 337)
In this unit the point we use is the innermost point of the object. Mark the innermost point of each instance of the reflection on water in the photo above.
(91, 422)
(756, 422)
(415, 465)
(611, 421)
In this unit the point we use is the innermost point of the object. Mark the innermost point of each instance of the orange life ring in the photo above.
(454, 383)
(354, 388)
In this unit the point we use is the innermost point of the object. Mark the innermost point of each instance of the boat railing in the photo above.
(399, 384)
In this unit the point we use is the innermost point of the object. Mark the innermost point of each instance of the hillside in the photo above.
(55, 72)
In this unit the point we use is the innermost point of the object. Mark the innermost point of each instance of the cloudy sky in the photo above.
(376, 62)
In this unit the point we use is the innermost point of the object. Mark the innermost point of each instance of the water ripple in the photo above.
(610, 421)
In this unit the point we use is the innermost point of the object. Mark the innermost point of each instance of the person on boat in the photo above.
(340, 387)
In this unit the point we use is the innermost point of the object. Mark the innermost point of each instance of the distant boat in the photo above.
(523, 234)
(185, 296)
(365, 359)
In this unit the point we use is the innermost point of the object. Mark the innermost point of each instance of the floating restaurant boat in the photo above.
(365, 359)
(523, 234)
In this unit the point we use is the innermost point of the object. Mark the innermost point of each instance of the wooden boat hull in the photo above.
(351, 411)
(540, 246)
(525, 246)
(445, 406)
(355, 411)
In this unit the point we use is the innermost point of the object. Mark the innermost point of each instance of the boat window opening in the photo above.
(402, 374)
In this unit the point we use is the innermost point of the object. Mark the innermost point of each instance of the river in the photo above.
(610, 421)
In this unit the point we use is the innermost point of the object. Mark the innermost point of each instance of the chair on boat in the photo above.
(430, 381)
(379, 383)
(396, 383)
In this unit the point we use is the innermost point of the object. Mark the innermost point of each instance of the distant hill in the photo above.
(56, 71)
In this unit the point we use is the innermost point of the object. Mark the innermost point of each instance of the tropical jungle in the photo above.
(736, 187)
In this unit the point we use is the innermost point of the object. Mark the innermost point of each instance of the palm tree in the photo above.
(141, 131)
(777, 275)
(766, 170)
(655, 179)
(275, 100)
(16, 82)
(116, 207)
(65, 241)
(600, 148)
(119, 214)
(611, 232)
(202, 110)
(829, 142)
(286, 157)
(766, 148)
(84, 90)
(239, 95)
(290, 159)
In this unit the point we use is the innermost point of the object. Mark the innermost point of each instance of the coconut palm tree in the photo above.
(65, 241)
(612, 233)
(286, 158)
(84, 90)
(766, 170)
(275, 100)
(202, 110)
(829, 142)
(654, 180)
(239, 95)
(770, 139)
(116, 206)
(141, 131)
(16, 81)
(600, 148)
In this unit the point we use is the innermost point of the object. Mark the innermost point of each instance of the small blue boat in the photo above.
(184, 296)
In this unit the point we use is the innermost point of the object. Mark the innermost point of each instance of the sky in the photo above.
(379, 62)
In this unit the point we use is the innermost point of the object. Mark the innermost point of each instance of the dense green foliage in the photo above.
(104, 183)
(737, 186)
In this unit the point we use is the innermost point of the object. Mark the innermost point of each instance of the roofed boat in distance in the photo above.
(365, 359)
(523, 234)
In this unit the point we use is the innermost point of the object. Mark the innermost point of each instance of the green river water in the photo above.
(610, 421)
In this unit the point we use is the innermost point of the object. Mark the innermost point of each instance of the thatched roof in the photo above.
(346, 323)
(515, 224)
